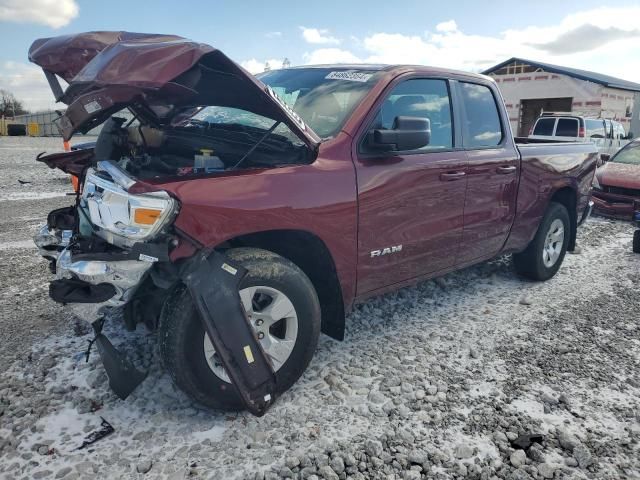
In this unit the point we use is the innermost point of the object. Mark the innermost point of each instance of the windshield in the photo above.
(629, 155)
(323, 97)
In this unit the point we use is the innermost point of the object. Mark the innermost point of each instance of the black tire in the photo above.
(529, 263)
(636, 241)
(181, 332)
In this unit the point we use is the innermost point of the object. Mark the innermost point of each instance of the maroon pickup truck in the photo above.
(240, 217)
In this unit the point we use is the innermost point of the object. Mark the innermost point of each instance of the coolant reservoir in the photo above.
(207, 162)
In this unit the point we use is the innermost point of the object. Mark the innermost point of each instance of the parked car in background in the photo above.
(616, 186)
(242, 209)
(609, 136)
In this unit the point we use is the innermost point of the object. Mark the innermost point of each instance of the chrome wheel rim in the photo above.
(273, 318)
(553, 243)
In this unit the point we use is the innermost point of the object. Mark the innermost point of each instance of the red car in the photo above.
(616, 187)
(240, 217)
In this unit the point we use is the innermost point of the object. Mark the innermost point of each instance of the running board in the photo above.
(213, 282)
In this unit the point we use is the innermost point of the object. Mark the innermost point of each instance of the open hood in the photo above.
(156, 76)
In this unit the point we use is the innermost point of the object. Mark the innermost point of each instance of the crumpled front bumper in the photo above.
(88, 278)
(612, 205)
(51, 242)
(124, 275)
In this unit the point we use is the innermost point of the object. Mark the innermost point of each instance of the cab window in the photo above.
(567, 127)
(595, 128)
(483, 127)
(544, 126)
(425, 98)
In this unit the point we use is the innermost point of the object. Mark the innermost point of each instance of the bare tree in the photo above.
(286, 63)
(267, 67)
(10, 106)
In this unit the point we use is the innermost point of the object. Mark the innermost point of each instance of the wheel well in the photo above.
(312, 256)
(567, 197)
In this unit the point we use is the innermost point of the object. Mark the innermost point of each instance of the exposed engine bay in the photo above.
(196, 148)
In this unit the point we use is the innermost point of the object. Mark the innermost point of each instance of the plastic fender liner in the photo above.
(213, 281)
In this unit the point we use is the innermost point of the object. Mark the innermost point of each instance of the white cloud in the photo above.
(605, 40)
(330, 55)
(318, 36)
(448, 26)
(273, 34)
(28, 84)
(53, 13)
(257, 66)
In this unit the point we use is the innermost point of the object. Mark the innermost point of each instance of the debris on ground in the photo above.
(104, 430)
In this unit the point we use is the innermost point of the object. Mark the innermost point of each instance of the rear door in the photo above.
(410, 202)
(492, 173)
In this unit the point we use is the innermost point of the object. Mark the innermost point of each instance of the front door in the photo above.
(492, 175)
(411, 202)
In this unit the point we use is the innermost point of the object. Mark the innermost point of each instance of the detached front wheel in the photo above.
(544, 255)
(283, 310)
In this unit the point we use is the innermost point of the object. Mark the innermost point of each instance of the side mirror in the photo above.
(408, 133)
(604, 158)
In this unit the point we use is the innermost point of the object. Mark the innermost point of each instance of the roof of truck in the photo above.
(394, 67)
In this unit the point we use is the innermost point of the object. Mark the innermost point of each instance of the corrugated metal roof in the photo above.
(606, 80)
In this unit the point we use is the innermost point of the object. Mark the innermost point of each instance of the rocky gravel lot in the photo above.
(434, 381)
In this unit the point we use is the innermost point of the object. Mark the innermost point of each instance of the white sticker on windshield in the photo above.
(349, 76)
(92, 106)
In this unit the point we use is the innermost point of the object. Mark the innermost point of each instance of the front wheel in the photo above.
(283, 309)
(544, 255)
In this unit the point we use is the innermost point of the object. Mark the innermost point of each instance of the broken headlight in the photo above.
(122, 217)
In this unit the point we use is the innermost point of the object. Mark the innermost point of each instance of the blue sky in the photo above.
(463, 34)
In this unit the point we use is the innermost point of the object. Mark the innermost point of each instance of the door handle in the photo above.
(450, 176)
(506, 169)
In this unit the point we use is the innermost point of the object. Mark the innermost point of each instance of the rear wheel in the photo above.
(283, 309)
(544, 255)
(636, 241)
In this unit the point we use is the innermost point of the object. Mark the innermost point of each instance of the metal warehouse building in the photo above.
(530, 87)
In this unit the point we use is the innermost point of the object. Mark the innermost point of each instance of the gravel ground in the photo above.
(433, 381)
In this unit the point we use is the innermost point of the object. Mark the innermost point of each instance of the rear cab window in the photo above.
(482, 127)
(544, 127)
(567, 127)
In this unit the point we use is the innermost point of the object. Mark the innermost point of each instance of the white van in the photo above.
(608, 135)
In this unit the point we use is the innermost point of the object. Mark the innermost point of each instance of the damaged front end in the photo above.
(104, 249)
(118, 239)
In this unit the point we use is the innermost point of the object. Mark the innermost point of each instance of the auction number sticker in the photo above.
(349, 76)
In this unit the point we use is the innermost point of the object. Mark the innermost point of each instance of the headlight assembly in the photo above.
(122, 217)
